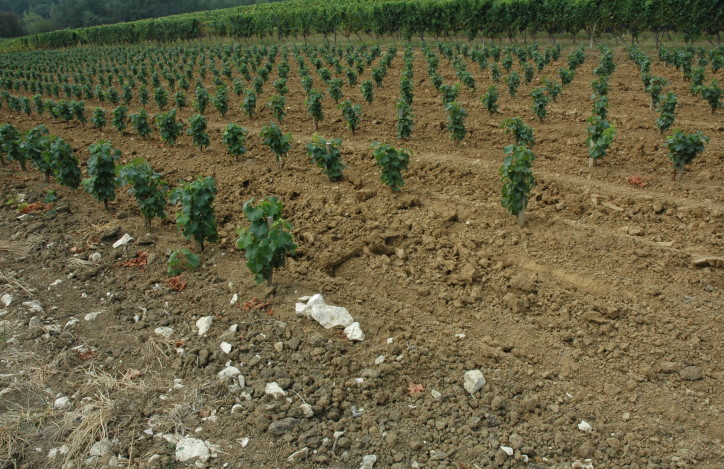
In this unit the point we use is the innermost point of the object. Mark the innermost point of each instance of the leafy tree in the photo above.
(63, 163)
(405, 120)
(600, 136)
(102, 171)
(147, 187)
(490, 99)
(278, 142)
(140, 123)
(655, 89)
(99, 118)
(314, 107)
(522, 132)
(277, 104)
(169, 128)
(202, 99)
(456, 115)
(196, 219)
(179, 99)
(235, 139)
(10, 145)
(449, 93)
(540, 103)
(513, 81)
(335, 89)
(566, 75)
(78, 108)
(667, 105)
(34, 143)
(367, 91)
(221, 100)
(197, 129)
(712, 94)
(325, 154)
(120, 118)
(160, 96)
(249, 103)
(268, 241)
(683, 148)
(352, 114)
(517, 178)
(391, 162)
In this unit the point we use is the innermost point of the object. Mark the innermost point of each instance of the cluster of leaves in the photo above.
(196, 218)
(391, 162)
(326, 155)
(268, 241)
(180, 261)
(490, 99)
(147, 186)
(101, 183)
(352, 114)
(197, 130)
(540, 103)
(456, 115)
(523, 133)
(277, 141)
(517, 178)
(235, 139)
(601, 134)
(405, 120)
(169, 128)
(683, 148)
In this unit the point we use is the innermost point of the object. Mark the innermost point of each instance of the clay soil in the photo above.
(594, 311)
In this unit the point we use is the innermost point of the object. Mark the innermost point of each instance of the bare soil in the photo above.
(594, 311)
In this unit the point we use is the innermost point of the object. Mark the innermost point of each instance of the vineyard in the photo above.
(550, 215)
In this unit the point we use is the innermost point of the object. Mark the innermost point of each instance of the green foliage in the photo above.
(352, 114)
(712, 94)
(179, 99)
(683, 148)
(517, 178)
(513, 81)
(196, 219)
(235, 139)
(277, 104)
(456, 115)
(202, 99)
(325, 154)
(600, 105)
(140, 123)
(160, 96)
(120, 118)
(169, 128)
(34, 143)
(335, 89)
(490, 99)
(249, 103)
(63, 163)
(63, 110)
(601, 134)
(405, 120)
(314, 107)
(367, 91)
(391, 162)
(197, 129)
(655, 89)
(147, 187)
(449, 93)
(268, 241)
(553, 89)
(522, 132)
(600, 86)
(566, 75)
(307, 83)
(180, 261)
(280, 86)
(540, 103)
(78, 108)
(278, 142)
(221, 100)
(99, 119)
(667, 105)
(101, 183)
(495, 73)
(576, 58)
(10, 145)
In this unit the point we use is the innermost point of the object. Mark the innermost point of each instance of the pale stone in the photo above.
(274, 390)
(164, 331)
(229, 372)
(125, 239)
(204, 324)
(192, 449)
(354, 332)
(331, 316)
(473, 381)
